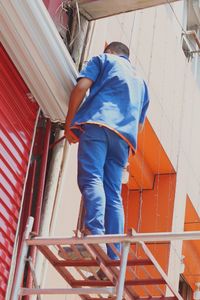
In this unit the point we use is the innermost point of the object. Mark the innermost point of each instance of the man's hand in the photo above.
(70, 136)
(77, 95)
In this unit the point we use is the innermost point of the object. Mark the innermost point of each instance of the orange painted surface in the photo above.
(191, 249)
(150, 159)
(150, 210)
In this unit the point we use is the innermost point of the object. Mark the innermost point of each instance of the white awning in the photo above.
(96, 9)
(34, 45)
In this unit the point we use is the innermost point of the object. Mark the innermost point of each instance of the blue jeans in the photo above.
(102, 154)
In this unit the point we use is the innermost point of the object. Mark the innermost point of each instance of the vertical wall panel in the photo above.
(17, 122)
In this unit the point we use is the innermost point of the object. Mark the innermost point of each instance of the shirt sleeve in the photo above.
(145, 104)
(91, 70)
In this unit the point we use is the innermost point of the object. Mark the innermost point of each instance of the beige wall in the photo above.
(154, 36)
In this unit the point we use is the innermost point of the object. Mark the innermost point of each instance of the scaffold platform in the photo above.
(136, 275)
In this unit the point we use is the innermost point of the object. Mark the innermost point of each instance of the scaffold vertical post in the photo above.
(122, 274)
(22, 262)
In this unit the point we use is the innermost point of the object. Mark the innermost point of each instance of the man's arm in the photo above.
(76, 98)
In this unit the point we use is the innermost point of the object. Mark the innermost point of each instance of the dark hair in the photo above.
(119, 48)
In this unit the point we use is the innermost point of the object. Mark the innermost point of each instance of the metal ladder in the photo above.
(136, 275)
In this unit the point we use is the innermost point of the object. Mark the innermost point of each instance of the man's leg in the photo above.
(116, 159)
(91, 158)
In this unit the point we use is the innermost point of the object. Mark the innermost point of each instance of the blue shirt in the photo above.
(118, 99)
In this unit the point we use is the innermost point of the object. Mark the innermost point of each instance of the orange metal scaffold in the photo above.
(133, 276)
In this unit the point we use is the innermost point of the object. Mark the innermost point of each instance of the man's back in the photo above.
(116, 98)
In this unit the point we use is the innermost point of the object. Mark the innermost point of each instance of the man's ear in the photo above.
(111, 52)
(108, 51)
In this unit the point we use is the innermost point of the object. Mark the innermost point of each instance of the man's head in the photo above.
(117, 48)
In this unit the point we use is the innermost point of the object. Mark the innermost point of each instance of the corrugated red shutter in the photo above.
(17, 122)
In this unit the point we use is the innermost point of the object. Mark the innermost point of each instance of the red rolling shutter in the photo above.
(18, 115)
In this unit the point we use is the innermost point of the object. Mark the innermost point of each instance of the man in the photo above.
(107, 125)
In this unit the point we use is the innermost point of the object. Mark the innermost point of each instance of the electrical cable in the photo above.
(130, 42)
(177, 19)
(79, 24)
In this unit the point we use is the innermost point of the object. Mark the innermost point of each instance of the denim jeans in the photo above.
(102, 155)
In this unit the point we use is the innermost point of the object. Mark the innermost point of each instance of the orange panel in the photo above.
(150, 159)
(156, 205)
(152, 211)
(191, 249)
(191, 216)
(153, 152)
(149, 196)
(141, 176)
(192, 262)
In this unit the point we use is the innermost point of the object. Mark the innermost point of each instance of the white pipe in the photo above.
(61, 186)
(56, 198)
(115, 238)
(22, 262)
(122, 274)
(50, 200)
(69, 291)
